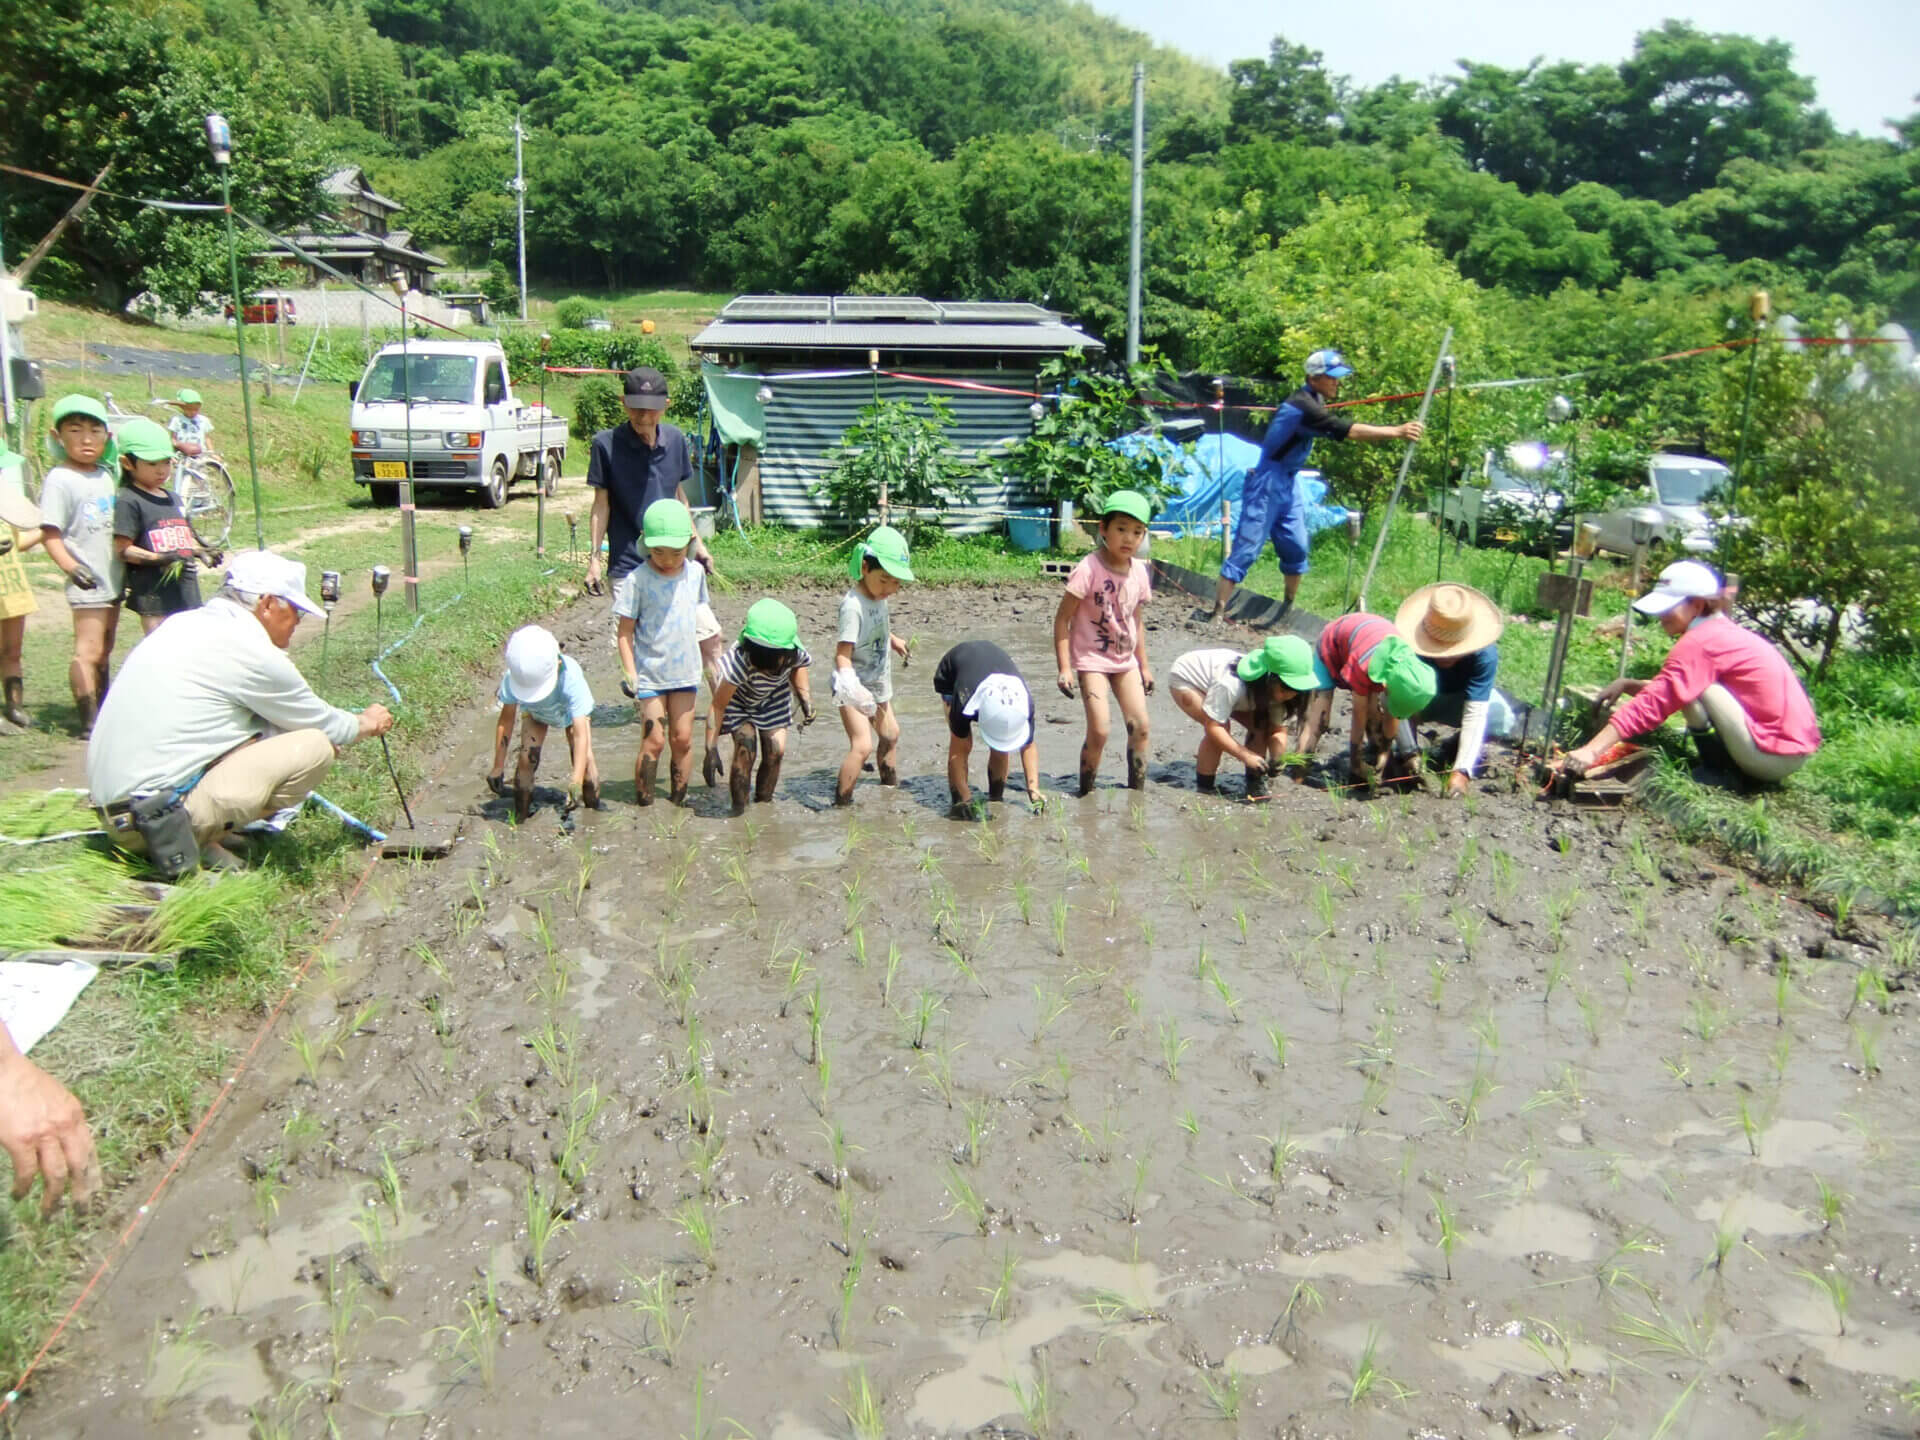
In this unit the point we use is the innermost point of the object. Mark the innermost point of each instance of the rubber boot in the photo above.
(1206, 784)
(16, 710)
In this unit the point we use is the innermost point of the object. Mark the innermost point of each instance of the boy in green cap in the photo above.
(1389, 682)
(657, 604)
(1269, 691)
(76, 522)
(1099, 641)
(191, 431)
(19, 533)
(150, 532)
(756, 685)
(863, 660)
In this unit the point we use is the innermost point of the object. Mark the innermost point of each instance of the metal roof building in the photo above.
(819, 359)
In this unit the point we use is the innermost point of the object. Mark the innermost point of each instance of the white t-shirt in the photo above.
(665, 614)
(865, 625)
(79, 504)
(195, 428)
(1214, 674)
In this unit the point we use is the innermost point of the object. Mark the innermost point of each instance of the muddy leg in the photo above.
(1094, 690)
(531, 736)
(1131, 691)
(739, 781)
(887, 729)
(680, 723)
(653, 739)
(997, 765)
(859, 747)
(771, 758)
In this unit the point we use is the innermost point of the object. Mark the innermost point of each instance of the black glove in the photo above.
(806, 711)
(626, 689)
(497, 784)
(83, 577)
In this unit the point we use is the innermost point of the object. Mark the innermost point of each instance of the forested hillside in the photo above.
(973, 148)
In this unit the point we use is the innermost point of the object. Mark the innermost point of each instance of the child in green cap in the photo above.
(1389, 682)
(1099, 641)
(191, 431)
(756, 685)
(150, 532)
(1269, 691)
(863, 660)
(657, 606)
(76, 521)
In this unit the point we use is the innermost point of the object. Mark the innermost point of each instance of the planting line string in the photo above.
(418, 621)
(49, 839)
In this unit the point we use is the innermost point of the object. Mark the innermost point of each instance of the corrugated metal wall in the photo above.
(806, 418)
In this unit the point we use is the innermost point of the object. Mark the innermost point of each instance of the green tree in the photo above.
(1289, 96)
(899, 453)
(1068, 456)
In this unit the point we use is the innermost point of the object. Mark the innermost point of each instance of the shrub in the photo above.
(573, 312)
(597, 406)
(502, 293)
(1067, 456)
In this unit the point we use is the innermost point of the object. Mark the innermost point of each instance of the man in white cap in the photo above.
(1456, 630)
(1745, 708)
(1269, 504)
(979, 684)
(210, 717)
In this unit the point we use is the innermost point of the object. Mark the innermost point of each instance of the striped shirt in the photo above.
(761, 698)
(1347, 644)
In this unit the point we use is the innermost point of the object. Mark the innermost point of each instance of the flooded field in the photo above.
(1158, 1114)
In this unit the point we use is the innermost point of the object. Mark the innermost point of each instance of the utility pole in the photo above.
(1133, 253)
(520, 203)
(220, 146)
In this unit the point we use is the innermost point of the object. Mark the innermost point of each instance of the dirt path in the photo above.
(1347, 1118)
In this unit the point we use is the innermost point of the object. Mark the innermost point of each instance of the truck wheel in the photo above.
(550, 474)
(494, 493)
(384, 495)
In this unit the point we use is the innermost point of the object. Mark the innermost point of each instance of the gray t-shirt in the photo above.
(1214, 674)
(664, 610)
(865, 626)
(79, 504)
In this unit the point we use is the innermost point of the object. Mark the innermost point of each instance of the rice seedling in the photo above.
(1302, 1299)
(986, 844)
(893, 969)
(1556, 975)
(1223, 1394)
(379, 1247)
(1707, 1021)
(1146, 931)
(1035, 1401)
(975, 1113)
(857, 899)
(695, 1222)
(579, 1153)
(1367, 1376)
(423, 952)
(1468, 861)
(929, 865)
(797, 972)
(862, 1408)
(860, 946)
(176, 1365)
(300, 1128)
(1503, 881)
(269, 1184)
(1142, 1164)
(704, 1157)
(1870, 986)
(654, 1306)
(816, 1018)
(1323, 908)
(1172, 1047)
(926, 1005)
(1560, 906)
(1467, 1107)
(1833, 1203)
(1048, 1007)
(544, 1222)
(703, 1428)
(555, 1047)
(391, 1189)
(1023, 901)
(1000, 1293)
(1449, 1233)
(279, 1418)
(1277, 1038)
(966, 1199)
(1750, 1125)
(1835, 1288)
(1869, 1047)
(1189, 1122)
(1470, 926)
(1589, 1014)
(849, 1284)
(310, 1053)
(1058, 917)
(1679, 1337)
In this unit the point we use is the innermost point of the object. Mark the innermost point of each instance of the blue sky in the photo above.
(1863, 54)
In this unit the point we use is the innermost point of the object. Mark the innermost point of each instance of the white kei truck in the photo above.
(465, 427)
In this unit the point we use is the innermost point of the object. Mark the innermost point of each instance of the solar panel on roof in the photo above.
(993, 312)
(857, 308)
(779, 307)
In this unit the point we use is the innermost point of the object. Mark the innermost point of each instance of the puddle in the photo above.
(1486, 1358)
(1258, 1359)
(1537, 1227)
(1381, 1261)
(1866, 1349)
(587, 1003)
(263, 1269)
(1747, 1211)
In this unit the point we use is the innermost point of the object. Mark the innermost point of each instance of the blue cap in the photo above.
(1328, 362)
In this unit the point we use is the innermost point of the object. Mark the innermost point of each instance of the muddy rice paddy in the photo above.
(1155, 1115)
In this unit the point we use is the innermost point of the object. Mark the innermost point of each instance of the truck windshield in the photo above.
(428, 377)
(1691, 482)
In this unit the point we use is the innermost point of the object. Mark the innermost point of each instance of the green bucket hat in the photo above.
(144, 440)
(1288, 659)
(889, 547)
(666, 523)
(187, 396)
(1410, 682)
(70, 405)
(771, 624)
(1127, 502)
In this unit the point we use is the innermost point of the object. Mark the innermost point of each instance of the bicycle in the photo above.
(204, 488)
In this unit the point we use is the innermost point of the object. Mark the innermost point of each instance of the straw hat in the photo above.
(1448, 620)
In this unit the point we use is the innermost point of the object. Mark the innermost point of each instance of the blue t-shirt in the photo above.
(1471, 675)
(664, 610)
(565, 703)
(1289, 441)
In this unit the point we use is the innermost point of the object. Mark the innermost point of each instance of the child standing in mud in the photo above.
(657, 604)
(756, 684)
(552, 690)
(1099, 641)
(863, 660)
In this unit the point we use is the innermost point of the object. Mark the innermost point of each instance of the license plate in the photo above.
(389, 469)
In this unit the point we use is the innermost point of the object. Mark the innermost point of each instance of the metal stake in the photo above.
(540, 488)
(1354, 519)
(466, 548)
(405, 809)
(1446, 467)
(409, 557)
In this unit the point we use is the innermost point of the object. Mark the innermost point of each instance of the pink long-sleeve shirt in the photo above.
(1715, 651)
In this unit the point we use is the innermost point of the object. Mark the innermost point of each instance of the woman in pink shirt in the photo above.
(1744, 706)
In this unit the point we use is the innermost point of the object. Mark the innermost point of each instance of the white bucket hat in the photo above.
(1000, 704)
(533, 664)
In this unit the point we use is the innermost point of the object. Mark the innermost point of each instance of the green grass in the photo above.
(765, 558)
(144, 1052)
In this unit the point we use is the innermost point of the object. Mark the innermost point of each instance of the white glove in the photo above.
(849, 692)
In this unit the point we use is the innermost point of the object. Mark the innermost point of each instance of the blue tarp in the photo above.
(1214, 469)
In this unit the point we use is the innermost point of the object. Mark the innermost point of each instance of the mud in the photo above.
(1154, 1103)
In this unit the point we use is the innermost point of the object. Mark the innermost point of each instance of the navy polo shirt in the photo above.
(634, 475)
(1472, 675)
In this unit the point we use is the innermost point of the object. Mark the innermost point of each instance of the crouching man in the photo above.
(210, 726)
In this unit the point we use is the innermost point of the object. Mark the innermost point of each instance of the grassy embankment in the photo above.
(144, 1052)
